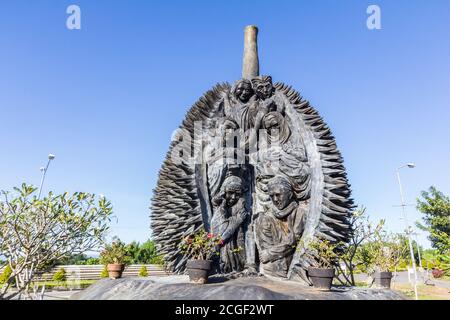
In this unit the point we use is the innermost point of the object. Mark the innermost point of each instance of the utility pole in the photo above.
(408, 229)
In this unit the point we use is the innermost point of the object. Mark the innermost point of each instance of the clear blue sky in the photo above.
(105, 99)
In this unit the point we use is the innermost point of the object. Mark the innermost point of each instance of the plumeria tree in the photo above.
(36, 232)
(363, 231)
(385, 251)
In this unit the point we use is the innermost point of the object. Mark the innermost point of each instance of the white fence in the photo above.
(93, 272)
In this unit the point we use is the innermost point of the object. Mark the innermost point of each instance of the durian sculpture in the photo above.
(255, 164)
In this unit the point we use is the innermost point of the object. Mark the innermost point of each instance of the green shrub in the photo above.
(105, 273)
(5, 274)
(402, 265)
(142, 253)
(428, 264)
(92, 261)
(158, 260)
(60, 275)
(143, 272)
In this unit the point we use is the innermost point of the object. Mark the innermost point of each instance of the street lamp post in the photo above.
(408, 229)
(44, 171)
(418, 251)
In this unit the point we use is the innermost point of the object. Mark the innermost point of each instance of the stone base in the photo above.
(251, 288)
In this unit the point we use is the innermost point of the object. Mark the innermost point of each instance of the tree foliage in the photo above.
(144, 253)
(5, 275)
(77, 259)
(34, 233)
(384, 252)
(436, 209)
(432, 259)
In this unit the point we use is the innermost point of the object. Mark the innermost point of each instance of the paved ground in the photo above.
(56, 295)
(59, 295)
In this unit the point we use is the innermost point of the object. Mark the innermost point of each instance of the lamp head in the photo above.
(51, 156)
(411, 165)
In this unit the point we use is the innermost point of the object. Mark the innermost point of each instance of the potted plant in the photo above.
(322, 274)
(383, 279)
(200, 248)
(115, 257)
(386, 251)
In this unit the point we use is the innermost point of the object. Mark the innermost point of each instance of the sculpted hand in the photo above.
(241, 203)
(244, 214)
(264, 257)
(225, 236)
(264, 108)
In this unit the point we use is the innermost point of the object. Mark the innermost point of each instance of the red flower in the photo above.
(221, 242)
(437, 273)
(210, 235)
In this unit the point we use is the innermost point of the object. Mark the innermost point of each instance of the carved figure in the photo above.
(228, 222)
(279, 228)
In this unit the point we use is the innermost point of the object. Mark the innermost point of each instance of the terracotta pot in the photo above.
(383, 279)
(321, 278)
(198, 270)
(115, 270)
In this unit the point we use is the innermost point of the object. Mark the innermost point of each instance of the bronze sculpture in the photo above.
(266, 146)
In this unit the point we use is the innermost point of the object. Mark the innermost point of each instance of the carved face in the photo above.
(232, 196)
(264, 89)
(271, 122)
(281, 197)
(244, 91)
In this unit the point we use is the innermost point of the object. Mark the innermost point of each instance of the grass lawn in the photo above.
(425, 292)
